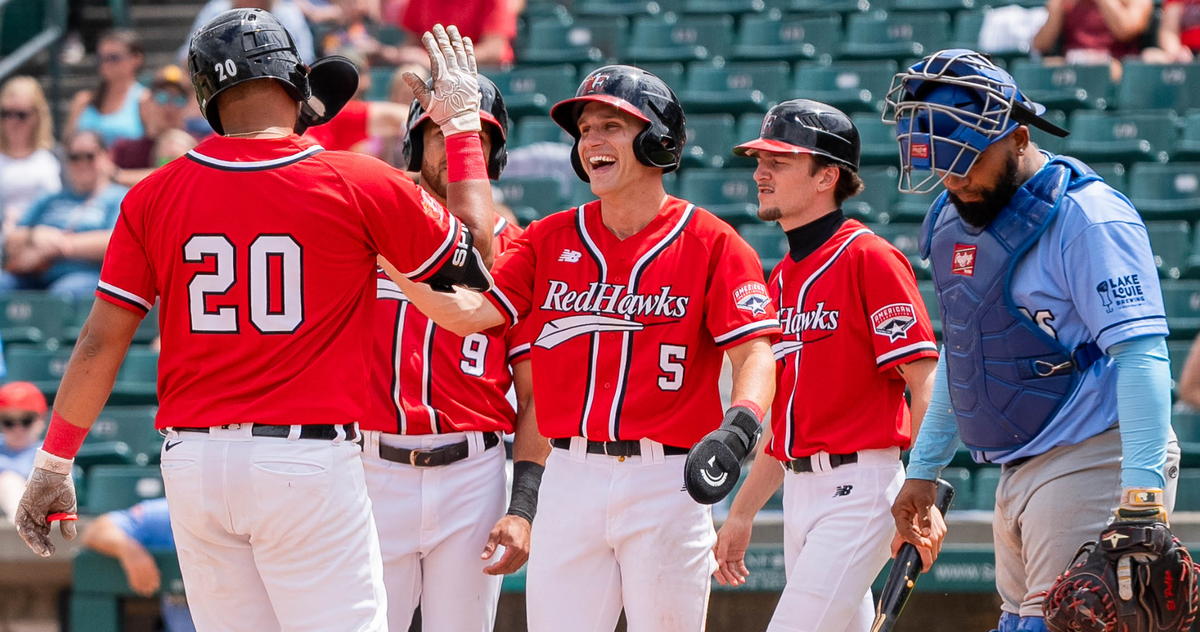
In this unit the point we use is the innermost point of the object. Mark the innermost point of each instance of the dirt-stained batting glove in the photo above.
(49, 491)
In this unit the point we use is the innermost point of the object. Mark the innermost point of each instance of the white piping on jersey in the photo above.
(501, 224)
(789, 414)
(508, 306)
(387, 288)
(595, 342)
(745, 329)
(895, 353)
(519, 349)
(451, 239)
(396, 348)
(254, 164)
(125, 294)
(427, 378)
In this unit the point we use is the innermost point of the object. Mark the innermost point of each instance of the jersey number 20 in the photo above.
(282, 315)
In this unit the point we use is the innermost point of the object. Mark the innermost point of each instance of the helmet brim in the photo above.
(565, 112)
(780, 147)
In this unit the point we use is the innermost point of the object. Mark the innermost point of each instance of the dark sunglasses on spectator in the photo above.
(114, 58)
(162, 97)
(12, 421)
(82, 156)
(20, 115)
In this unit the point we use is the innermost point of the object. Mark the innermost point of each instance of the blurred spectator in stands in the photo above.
(360, 124)
(491, 25)
(22, 421)
(59, 244)
(319, 12)
(27, 168)
(391, 147)
(172, 144)
(543, 160)
(288, 12)
(1093, 31)
(358, 29)
(1188, 387)
(115, 108)
(167, 109)
(1178, 33)
(130, 536)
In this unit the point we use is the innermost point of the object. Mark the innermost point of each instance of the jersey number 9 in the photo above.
(276, 283)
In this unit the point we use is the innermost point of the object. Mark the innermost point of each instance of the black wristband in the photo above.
(527, 478)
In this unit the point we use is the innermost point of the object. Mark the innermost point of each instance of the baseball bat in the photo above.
(904, 573)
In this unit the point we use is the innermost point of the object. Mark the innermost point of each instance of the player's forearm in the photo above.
(87, 246)
(469, 192)
(753, 372)
(461, 311)
(105, 537)
(528, 442)
(1169, 28)
(18, 242)
(1047, 36)
(1125, 19)
(919, 376)
(92, 369)
(1143, 408)
(937, 441)
(766, 475)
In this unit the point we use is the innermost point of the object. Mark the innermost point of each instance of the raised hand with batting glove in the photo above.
(453, 104)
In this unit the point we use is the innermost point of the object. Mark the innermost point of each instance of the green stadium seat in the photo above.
(727, 193)
(1186, 424)
(1170, 191)
(791, 37)
(912, 207)
(557, 40)
(543, 195)
(93, 453)
(710, 140)
(774, 503)
(672, 73)
(883, 35)
(964, 494)
(137, 381)
(1157, 86)
(827, 6)
(904, 238)
(32, 317)
(768, 241)
(932, 5)
(581, 193)
(624, 7)
(878, 141)
(532, 90)
(381, 83)
(1187, 148)
(132, 426)
(1049, 142)
(1178, 350)
(1121, 137)
(929, 297)
(1170, 242)
(987, 479)
(879, 192)
(1187, 491)
(1112, 172)
(43, 367)
(689, 38)
(113, 487)
(735, 88)
(536, 129)
(848, 86)
(1064, 87)
(82, 308)
(723, 6)
(967, 25)
(20, 21)
(1182, 302)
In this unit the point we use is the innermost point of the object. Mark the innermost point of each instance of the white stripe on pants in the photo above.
(838, 529)
(273, 534)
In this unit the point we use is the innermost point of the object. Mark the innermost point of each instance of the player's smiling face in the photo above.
(606, 137)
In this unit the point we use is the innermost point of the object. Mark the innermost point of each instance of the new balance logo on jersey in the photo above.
(816, 319)
(570, 256)
(842, 490)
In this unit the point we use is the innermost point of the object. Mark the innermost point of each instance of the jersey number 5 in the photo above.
(670, 361)
(276, 283)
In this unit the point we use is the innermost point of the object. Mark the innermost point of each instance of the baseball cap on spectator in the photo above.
(22, 396)
(170, 75)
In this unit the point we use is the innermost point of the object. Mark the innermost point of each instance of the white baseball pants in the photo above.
(433, 524)
(838, 531)
(614, 533)
(273, 534)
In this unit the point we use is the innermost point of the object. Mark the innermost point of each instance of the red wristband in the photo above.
(754, 408)
(63, 438)
(464, 158)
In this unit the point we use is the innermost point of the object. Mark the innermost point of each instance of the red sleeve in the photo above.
(513, 274)
(737, 306)
(900, 326)
(519, 344)
(127, 277)
(403, 223)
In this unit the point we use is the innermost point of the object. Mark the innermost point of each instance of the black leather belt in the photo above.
(327, 432)
(616, 448)
(805, 463)
(433, 457)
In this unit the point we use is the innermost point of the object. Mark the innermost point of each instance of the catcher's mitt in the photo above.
(1137, 578)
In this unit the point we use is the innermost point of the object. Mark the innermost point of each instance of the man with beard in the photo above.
(1055, 330)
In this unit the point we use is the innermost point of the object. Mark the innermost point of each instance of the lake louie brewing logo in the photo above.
(1119, 292)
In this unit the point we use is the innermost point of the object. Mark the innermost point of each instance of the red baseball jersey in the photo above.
(263, 255)
(628, 335)
(851, 314)
(428, 380)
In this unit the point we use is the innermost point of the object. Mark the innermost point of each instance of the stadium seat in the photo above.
(1170, 242)
(932, 5)
(537, 129)
(768, 241)
(727, 193)
(791, 37)
(32, 317)
(710, 140)
(381, 83)
(912, 207)
(1064, 87)
(672, 73)
(848, 86)
(883, 35)
(878, 141)
(82, 308)
(1186, 424)
(1049, 142)
(1156, 86)
(1187, 492)
(21, 21)
(557, 40)
(93, 453)
(532, 90)
(1170, 191)
(723, 6)
(904, 238)
(137, 381)
(960, 479)
(735, 88)
(929, 297)
(43, 367)
(131, 425)
(689, 38)
(874, 204)
(543, 195)
(1182, 302)
(624, 7)
(1187, 148)
(827, 6)
(1178, 350)
(113, 487)
(1121, 137)
(987, 479)
(1112, 172)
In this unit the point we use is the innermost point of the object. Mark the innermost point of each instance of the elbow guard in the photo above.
(715, 464)
(464, 268)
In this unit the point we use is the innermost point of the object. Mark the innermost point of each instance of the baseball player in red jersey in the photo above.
(631, 301)
(434, 458)
(855, 332)
(261, 249)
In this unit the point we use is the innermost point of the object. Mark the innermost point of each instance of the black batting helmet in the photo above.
(491, 111)
(801, 126)
(640, 94)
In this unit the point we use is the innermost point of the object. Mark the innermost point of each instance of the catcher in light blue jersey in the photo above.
(1054, 329)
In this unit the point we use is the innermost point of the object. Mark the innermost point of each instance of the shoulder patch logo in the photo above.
(894, 320)
(752, 297)
(1121, 292)
(964, 260)
(570, 256)
(432, 206)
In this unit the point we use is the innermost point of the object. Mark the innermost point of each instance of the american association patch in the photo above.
(752, 297)
(894, 320)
